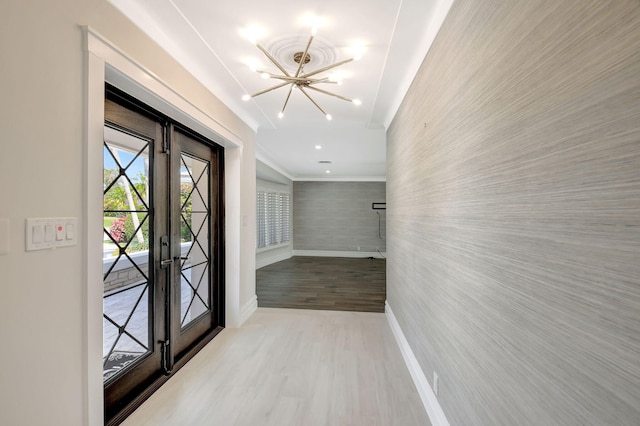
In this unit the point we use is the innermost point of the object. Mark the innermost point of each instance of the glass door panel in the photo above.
(125, 251)
(194, 238)
(195, 278)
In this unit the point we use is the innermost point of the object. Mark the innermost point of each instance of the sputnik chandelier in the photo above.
(301, 80)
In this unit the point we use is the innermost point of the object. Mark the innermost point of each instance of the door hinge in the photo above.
(167, 128)
(167, 365)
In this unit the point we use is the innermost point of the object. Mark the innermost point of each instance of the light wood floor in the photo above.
(292, 367)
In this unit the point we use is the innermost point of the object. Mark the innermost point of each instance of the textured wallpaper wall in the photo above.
(337, 216)
(513, 186)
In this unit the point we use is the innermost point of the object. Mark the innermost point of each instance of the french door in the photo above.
(163, 250)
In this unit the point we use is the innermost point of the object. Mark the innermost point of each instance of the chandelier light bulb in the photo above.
(246, 97)
(265, 75)
(280, 114)
(314, 30)
(335, 79)
(357, 102)
(357, 50)
(253, 33)
(252, 37)
(329, 117)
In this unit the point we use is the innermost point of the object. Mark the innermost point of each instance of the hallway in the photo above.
(292, 367)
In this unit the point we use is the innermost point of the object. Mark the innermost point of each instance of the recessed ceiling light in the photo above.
(328, 171)
(318, 147)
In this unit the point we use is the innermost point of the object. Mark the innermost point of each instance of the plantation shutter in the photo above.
(261, 213)
(286, 218)
(273, 211)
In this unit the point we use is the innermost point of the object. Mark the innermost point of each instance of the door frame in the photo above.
(105, 61)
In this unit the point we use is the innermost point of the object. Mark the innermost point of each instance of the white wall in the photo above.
(47, 349)
(248, 298)
(269, 179)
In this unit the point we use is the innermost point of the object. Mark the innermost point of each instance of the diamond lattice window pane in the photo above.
(126, 332)
(195, 221)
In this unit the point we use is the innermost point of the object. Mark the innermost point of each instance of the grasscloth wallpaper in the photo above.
(337, 216)
(513, 188)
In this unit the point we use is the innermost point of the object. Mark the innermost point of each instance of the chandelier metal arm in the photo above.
(321, 80)
(298, 79)
(330, 94)
(286, 101)
(328, 67)
(304, 57)
(277, 86)
(272, 59)
(313, 102)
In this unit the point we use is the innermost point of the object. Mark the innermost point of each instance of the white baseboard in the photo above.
(330, 253)
(264, 259)
(429, 399)
(248, 309)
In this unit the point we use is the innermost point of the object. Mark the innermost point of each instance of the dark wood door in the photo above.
(134, 288)
(162, 252)
(196, 182)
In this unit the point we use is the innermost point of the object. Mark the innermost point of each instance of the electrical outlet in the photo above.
(435, 383)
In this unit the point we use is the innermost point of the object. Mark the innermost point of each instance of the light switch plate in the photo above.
(4, 236)
(55, 232)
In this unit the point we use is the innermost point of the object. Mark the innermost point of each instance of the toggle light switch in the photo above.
(71, 232)
(48, 233)
(38, 234)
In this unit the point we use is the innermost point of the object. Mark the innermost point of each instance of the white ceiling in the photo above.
(209, 39)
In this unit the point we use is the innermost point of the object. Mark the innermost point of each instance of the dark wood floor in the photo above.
(326, 283)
